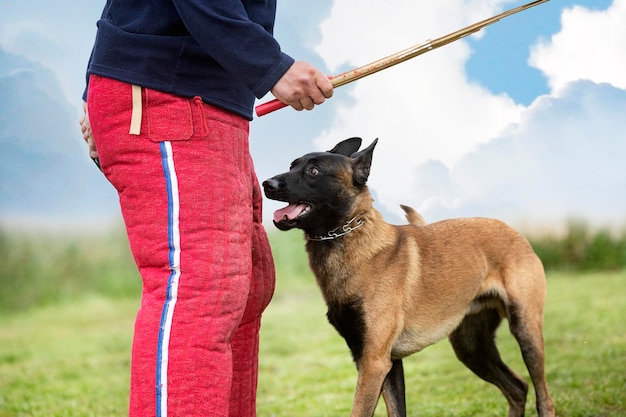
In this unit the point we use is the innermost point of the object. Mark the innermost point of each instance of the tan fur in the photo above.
(412, 216)
(393, 290)
(419, 281)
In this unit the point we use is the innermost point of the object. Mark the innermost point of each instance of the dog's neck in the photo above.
(350, 226)
(334, 262)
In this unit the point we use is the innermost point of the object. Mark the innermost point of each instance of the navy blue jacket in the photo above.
(220, 50)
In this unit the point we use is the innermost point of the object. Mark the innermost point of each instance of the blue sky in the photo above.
(510, 41)
(522, 121)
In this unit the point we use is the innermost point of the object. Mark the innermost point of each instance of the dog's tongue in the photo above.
(288, 213)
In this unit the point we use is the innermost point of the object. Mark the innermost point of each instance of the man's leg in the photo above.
(245, 342)
(187, 206)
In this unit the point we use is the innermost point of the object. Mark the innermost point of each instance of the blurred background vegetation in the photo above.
(38, 269)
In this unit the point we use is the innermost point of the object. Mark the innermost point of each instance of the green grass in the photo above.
(67, 360)
(306, 369)
(70, 356)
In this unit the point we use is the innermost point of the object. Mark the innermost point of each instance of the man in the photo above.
(171, 87)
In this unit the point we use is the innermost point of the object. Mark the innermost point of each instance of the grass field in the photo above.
(306, 369)
(71, 358)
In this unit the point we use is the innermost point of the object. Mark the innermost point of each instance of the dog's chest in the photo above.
(413, 340)
(347, 318)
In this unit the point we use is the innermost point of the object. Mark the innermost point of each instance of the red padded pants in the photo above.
(191, 204)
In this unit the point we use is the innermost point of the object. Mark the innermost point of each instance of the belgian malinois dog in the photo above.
(393, 290)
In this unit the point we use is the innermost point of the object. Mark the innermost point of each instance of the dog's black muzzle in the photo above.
(274, 189)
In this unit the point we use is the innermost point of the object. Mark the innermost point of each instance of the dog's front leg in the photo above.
(393, 390)
(372, 373)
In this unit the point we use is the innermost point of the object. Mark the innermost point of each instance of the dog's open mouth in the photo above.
(291, 212)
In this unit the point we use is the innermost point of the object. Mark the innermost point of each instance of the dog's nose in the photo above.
(271, 185)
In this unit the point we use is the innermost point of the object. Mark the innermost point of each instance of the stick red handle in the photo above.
(270, 106)
(276, 104)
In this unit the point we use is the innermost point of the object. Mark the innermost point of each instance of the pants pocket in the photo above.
(169, 117)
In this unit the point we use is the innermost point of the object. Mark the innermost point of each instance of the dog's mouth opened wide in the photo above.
(291, 212)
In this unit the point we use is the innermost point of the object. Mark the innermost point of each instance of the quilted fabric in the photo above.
(191, 204)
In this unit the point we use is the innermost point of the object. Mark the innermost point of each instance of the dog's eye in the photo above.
(313, 171)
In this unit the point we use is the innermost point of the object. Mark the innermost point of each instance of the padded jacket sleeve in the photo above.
(244, 48)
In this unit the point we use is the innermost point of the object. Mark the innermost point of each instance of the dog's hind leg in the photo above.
(527, 330)
(474, 344)
(393, 390)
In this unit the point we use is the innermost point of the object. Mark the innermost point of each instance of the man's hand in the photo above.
(303, 87)
(85, 127)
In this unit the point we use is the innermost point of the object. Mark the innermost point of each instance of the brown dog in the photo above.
(393, 290)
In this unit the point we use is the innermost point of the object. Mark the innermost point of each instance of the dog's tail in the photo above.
(413, 216)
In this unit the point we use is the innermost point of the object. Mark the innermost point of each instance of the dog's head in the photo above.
(321, 187)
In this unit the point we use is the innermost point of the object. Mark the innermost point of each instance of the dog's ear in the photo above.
(347, 147)
(362, 163)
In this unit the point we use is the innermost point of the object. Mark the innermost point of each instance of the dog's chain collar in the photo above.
(353, 224)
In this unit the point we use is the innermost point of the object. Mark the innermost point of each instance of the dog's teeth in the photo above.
(304, 210)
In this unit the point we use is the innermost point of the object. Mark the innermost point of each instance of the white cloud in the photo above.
(589, 46)
(453, 148)
(563, 160)
(422, 109)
